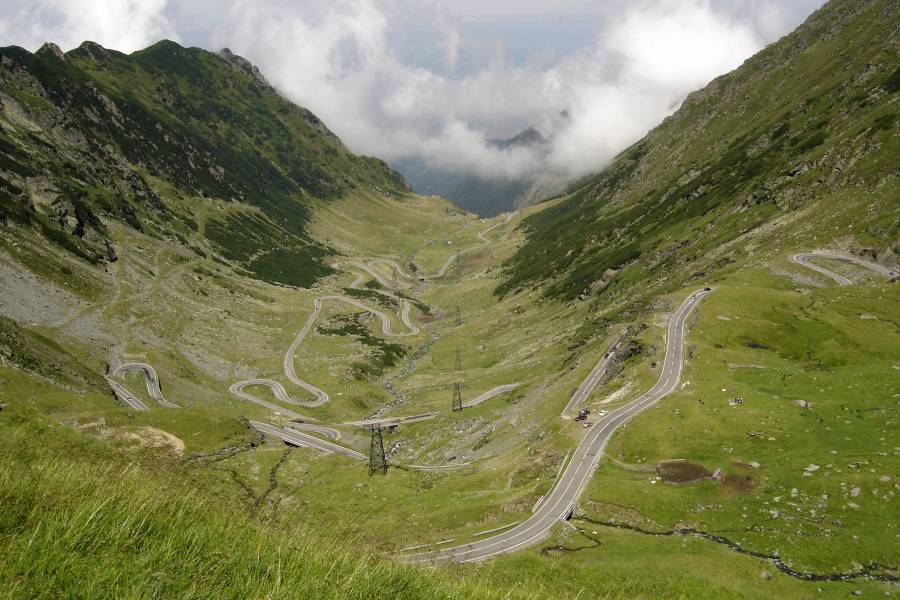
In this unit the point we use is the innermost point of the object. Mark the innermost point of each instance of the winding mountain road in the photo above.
(371, 270)
(288, 363)
(442, 271)
(281, 394)
(297, 438)
(126, 397)
(803, 258)
(500, 389)
(587, 386)
(149, 376)
(560, 502)
(392, 421)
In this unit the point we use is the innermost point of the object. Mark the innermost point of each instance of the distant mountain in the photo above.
(799, 145)
(485, 196)
(156, 139)
(529, 138)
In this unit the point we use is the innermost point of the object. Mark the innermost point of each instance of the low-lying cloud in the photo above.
(339, 59)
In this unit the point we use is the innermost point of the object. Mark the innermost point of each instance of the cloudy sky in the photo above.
(434, 78)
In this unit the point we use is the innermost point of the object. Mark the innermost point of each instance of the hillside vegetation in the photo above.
(809, 119)
(81, 518)
(156, 139)
(119, 245)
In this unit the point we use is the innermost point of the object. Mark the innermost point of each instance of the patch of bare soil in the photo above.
(151, 437)
(681, 471)
(738, 484)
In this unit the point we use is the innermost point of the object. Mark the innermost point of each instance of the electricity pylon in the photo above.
(457, 398)
(377, 459)
(458, 316)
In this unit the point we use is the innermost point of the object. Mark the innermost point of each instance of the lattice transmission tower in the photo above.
(377, 459)
(457, 398)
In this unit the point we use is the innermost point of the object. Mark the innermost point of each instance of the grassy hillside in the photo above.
(102, 500)
(809, 119)
(82, 518)
(153, 140)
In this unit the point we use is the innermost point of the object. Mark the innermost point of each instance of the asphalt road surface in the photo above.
(125, 396)
(288, 363)
(149, 376)
(561, 500)
(587, 386)
(500, 389)
(296, 438)
(379, 277)
(803, 258)
(392, 421)
(450, 259)
(280, 393)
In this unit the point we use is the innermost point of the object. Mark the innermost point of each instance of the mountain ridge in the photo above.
(777, 148)
(144, 138)
(785, 386)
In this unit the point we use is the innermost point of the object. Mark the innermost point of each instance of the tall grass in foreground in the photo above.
(80, 520)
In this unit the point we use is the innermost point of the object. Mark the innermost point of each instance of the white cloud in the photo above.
(337, 61)
(644, 65)
(341, 60)
(125, 25)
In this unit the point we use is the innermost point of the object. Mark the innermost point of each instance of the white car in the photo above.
(602, 413)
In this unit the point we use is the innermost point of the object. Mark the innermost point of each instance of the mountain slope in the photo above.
(781, 368)
(809, 118)
(81, 517)
(145, 138)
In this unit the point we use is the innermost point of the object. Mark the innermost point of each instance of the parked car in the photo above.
(602, 413)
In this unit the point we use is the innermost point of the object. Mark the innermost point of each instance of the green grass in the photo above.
(177, 129)
(774, 344)
(383, 354)
(517, 440)
(85, 520)
(757, 146)
(184, 299)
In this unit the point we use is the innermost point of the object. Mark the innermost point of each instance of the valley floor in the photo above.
(783, 395)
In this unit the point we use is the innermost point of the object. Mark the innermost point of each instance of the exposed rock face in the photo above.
(242, 64)
(95, 136)
(54, 50)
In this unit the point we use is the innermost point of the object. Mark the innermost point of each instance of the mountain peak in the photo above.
(51, 48)
(242, 64)
(526, 138)
(93, 49)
